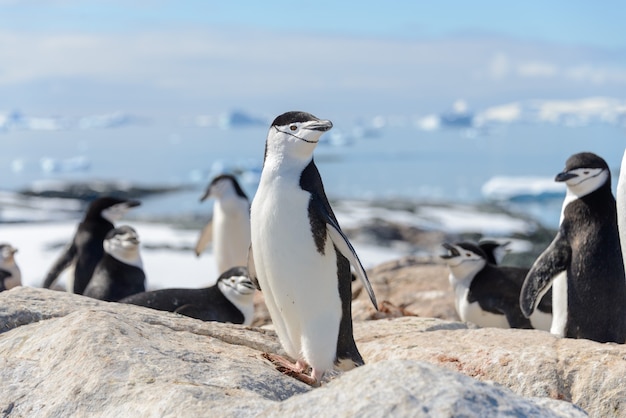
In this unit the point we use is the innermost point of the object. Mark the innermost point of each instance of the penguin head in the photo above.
(494, 250)
(122, 243)
(224, 185)
(584, 173)
(110, 208)
(7, 255)
(294, 135)
(464, 259)
(236, 285)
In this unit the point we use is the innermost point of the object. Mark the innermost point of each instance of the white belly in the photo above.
(541, 320)
(472, 312)
(231, 238)
(298, 283)
(559, 304)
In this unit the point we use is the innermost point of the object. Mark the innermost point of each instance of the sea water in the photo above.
(397, 161)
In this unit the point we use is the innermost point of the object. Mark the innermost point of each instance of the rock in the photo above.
(68, 355)
(406, 388)
(419, 286)
(532, 363)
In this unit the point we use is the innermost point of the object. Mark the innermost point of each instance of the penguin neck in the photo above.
(279, 165)
(462, 274)
(245, 303)
(128, 256)
(602, 192)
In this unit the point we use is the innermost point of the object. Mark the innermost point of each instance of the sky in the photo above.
(366, 57)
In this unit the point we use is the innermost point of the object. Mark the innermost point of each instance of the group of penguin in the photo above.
(288, 244)
(577, 287)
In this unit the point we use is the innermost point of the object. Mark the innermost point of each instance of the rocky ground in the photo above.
(66, 355)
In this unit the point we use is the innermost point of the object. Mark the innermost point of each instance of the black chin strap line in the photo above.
(295, 136)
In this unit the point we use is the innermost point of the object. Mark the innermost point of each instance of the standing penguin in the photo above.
(299, 256)
(488, 295)
(621, 206)
(584, 261)
(119, 272)
(231, 299)
(12, 276)
(230, 227)
(86, 250)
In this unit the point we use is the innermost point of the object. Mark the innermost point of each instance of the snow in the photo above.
(504, 188)
(167, 253)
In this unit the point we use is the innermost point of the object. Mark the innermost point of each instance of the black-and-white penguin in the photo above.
(488, 295)
(584, 262)
(299, 255)
(12, 277)
(86, 249)
(620, 200)
(231, 299)
(494, 250)
(119, 273)
(229, 229)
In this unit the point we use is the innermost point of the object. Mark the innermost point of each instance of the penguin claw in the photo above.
(297, 371)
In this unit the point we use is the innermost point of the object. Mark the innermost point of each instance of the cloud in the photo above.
(227, 66)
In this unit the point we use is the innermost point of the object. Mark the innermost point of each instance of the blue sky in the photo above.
(200, 56)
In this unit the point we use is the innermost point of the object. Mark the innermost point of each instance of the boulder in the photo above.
(68, 355)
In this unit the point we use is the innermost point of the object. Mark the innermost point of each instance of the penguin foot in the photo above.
(297, 371)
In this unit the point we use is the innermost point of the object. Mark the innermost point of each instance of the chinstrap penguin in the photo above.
(620, 199)
(494, 250)
(229, 229)
(584, 262)
(13, 276)
(299, 257)
(231, 299)
(488, 295)
(85, 250)
(119, 273)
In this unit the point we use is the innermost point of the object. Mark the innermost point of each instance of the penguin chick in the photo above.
(120, 271)
(85, 250)
(231, 299)
(13, 277)
(488, 295)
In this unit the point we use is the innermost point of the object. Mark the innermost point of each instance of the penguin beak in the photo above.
(564, 176)
(452, 251)
(320, 125)
(132, 203)
(206, 195)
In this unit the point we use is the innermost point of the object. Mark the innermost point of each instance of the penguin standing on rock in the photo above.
(488, 295)
(86, 249)
(11, 277)
(119, 272)
(584, 262)
(299, 256)
(231, 299)
(229, 230)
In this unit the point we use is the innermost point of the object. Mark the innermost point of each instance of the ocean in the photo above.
(396, 160)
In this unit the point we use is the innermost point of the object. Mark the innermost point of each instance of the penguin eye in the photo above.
(468, 254)
(586, 172)
(293, 127)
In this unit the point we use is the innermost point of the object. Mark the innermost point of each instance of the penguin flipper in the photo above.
(554, 260)
(205, 238)
(345, 248)
(193, 311)
(63, 262)
(252, 270)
